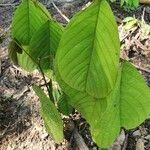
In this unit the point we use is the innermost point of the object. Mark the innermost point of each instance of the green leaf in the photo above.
(130, 24)
(88, 53)
(28, 18)
(91, 108)
(122, 2)
(127, 19)
(136, 3)
(18, 55)
(135, 94)
(44, 43)
(50, 115)
(26, 21)
(126, 106)
(129, 105)
(43, 11)
(63, 105)
(13, 49)
(26, 61)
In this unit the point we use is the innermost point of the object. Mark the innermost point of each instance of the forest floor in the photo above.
(21, 126)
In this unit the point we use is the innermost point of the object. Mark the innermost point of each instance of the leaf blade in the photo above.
(44, 43)
(87, 58)
(128, 107)
(50, 115)
(26, 21)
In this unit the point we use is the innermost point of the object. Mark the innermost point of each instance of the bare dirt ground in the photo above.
(21, 126)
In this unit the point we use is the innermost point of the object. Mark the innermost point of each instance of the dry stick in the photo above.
(141, 68)
(4, 32)
(5, 130)
(79, 141)
(145, 1)
(3, 5)
(0, 66)
(125, 143)
(59, 11)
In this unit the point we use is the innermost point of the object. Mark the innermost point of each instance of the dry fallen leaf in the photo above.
(140, 144)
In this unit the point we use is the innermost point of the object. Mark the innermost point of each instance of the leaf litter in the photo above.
(21, 126)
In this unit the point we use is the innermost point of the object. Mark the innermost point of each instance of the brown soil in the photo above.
(21, 126)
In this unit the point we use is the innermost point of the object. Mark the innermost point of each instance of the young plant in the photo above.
(84, 59)
(128, 4)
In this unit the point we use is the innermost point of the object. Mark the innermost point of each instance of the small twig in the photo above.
(0, 66)
(5, 130)
(128, 34)
(125, 143)
(59, 11)
(79, 141)
(141, 68)
(12, 5)
(44, 84)
(87, 5)
(4, 32)
(145, 1)
(118, 19)
(140, 45)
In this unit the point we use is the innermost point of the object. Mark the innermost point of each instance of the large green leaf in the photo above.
(28, 18)
(50, 115)
(88, 54)
(91, 108)
(127, 105)
(44, 43)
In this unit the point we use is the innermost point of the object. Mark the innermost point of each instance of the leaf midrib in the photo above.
(28, 7)
(94, 40)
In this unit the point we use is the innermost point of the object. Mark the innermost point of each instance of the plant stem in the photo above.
(59, 11)
(49, 88)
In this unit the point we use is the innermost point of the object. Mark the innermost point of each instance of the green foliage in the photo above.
(28, 18)
(130, 22)
(108, 93)
(107, 113)
(63, 105)
(92, 64)
(50, 115)
(19, 56)
(44, 43)
(130, 4)
(126, 106)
